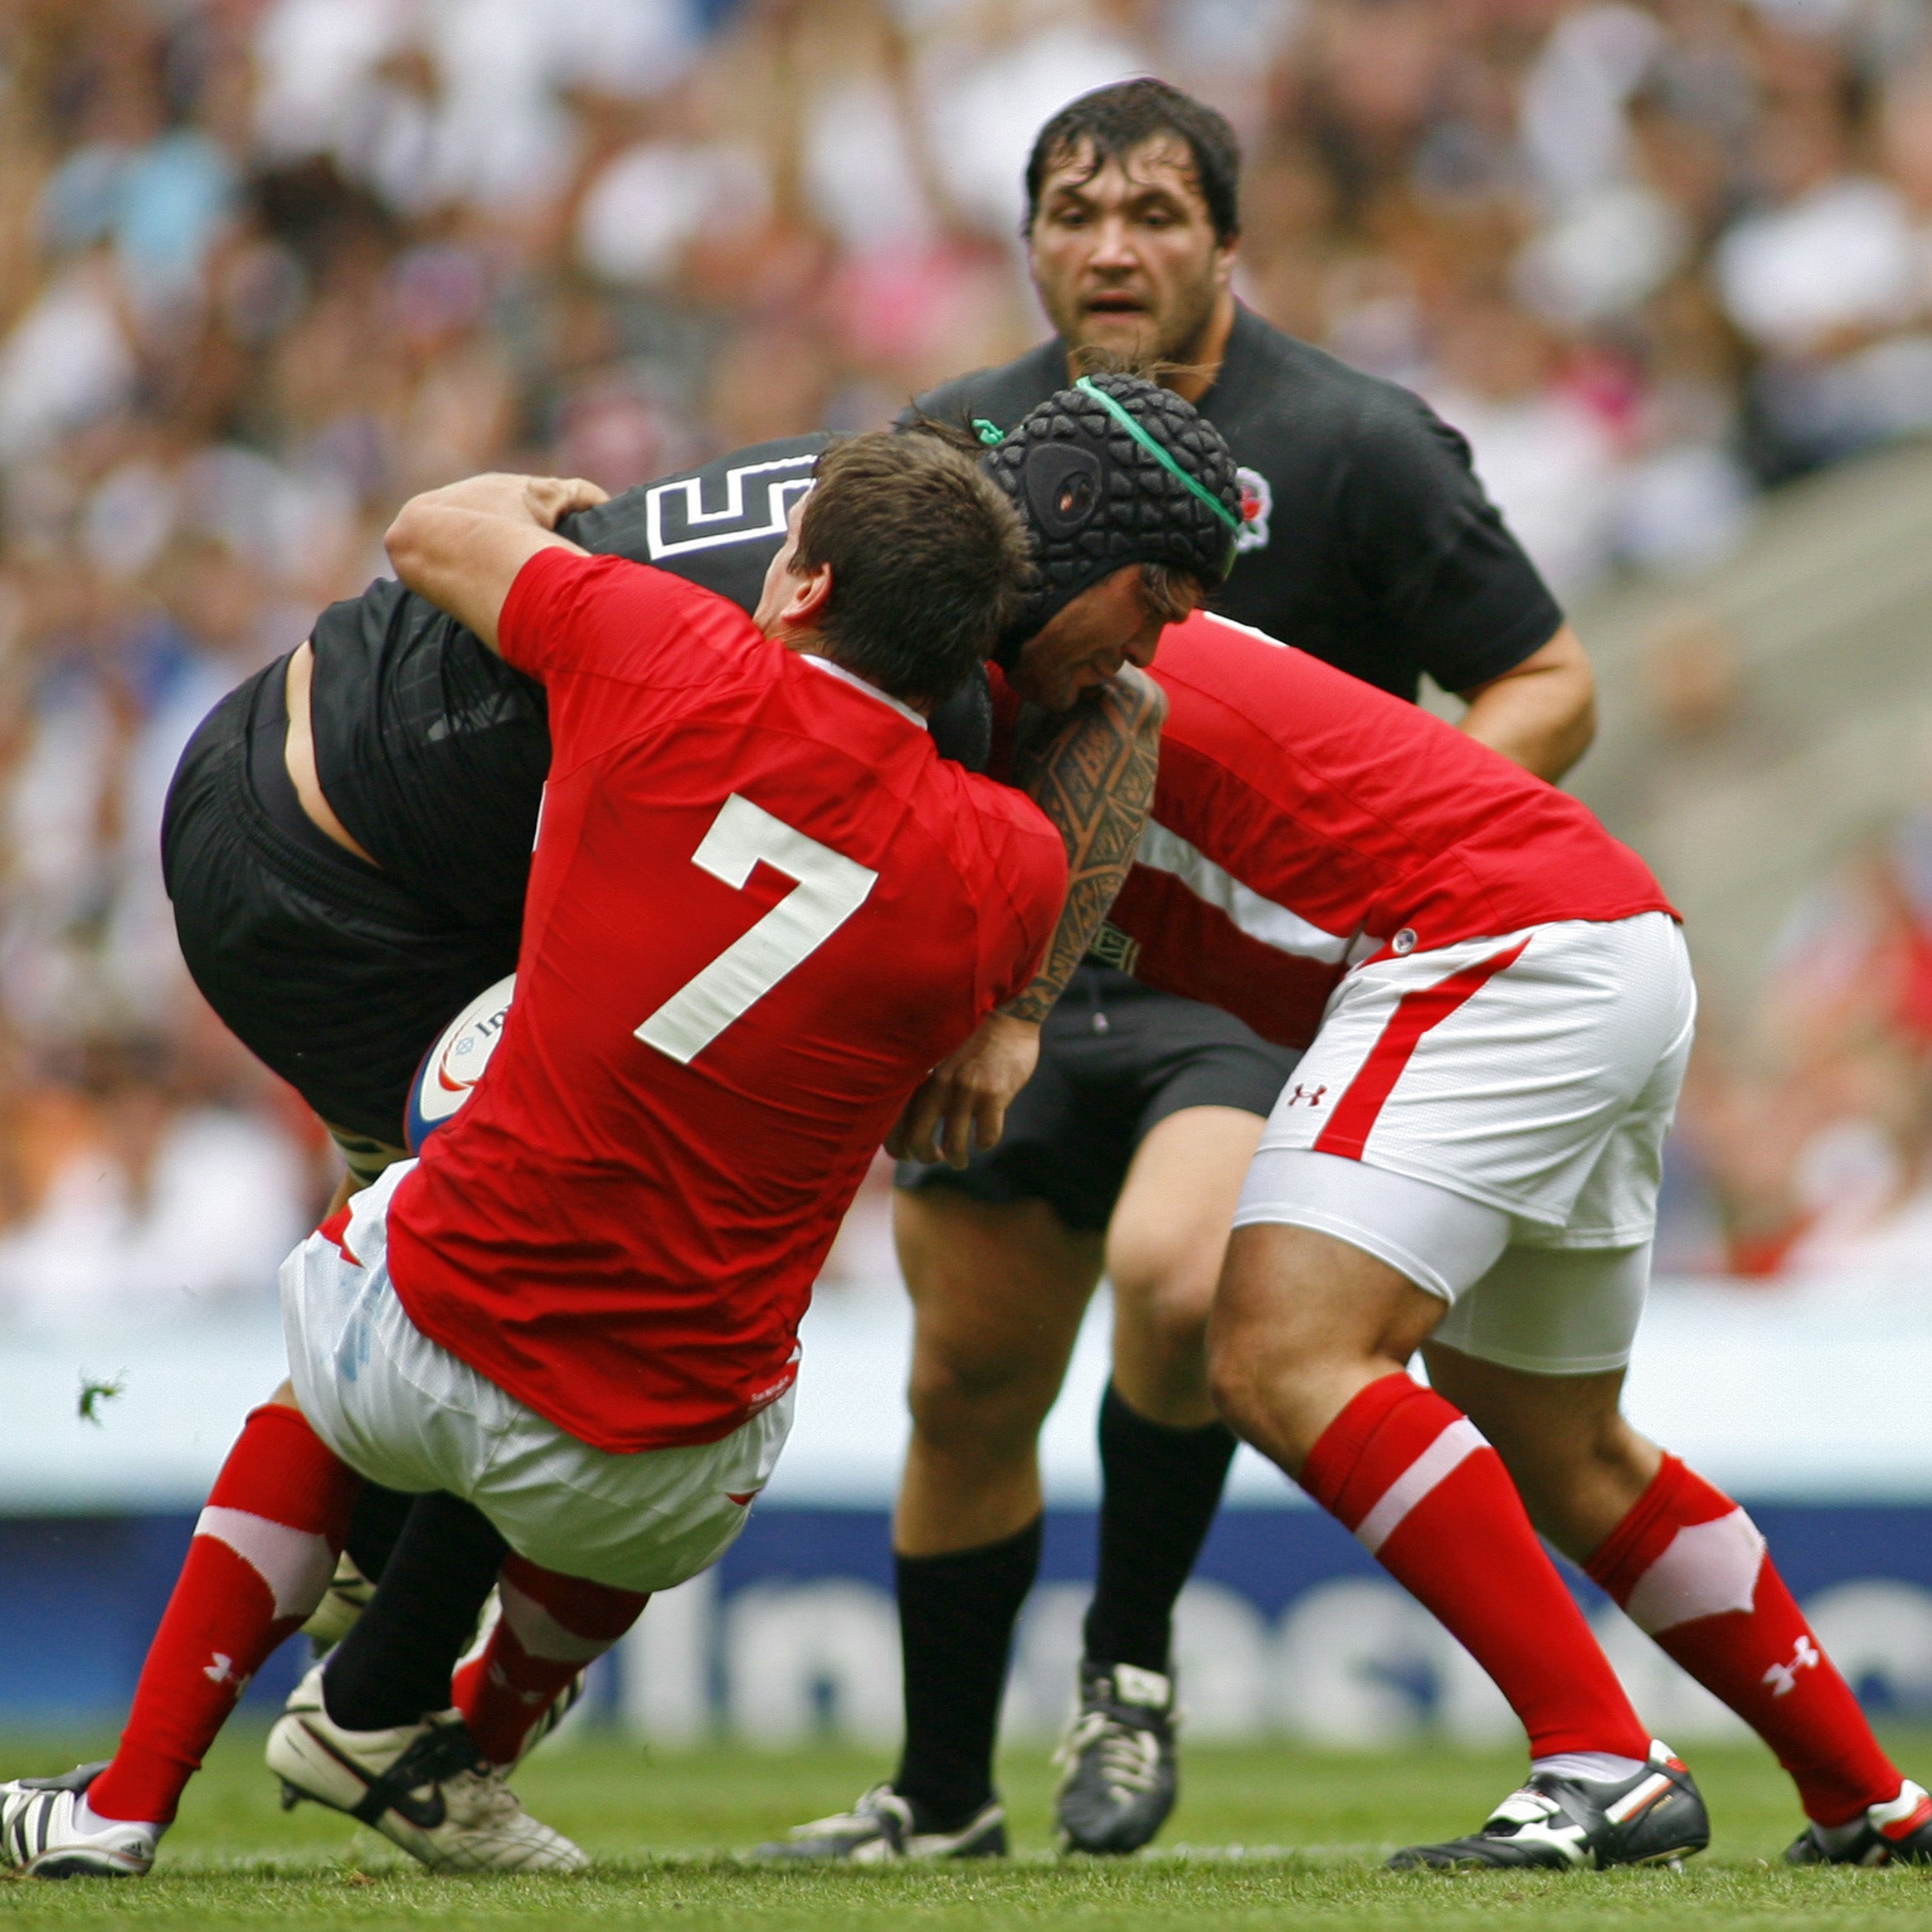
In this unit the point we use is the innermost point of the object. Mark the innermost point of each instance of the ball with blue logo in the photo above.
(452, 1067)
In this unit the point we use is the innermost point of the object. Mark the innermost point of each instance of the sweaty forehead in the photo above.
(1161, 161)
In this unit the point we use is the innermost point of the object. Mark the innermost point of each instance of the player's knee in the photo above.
(1243, 1378)
(1269, 1370)
(1166, 1310)
(986, 1405)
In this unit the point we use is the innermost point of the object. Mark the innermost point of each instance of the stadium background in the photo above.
(266, 266)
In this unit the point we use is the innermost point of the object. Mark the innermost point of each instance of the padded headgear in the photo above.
(1115, 470)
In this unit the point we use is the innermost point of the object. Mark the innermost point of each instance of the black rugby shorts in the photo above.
(330, 974)
(1116, 1058)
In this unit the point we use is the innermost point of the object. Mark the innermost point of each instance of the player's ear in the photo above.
(807, 595)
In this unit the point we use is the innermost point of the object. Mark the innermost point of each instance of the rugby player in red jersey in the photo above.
(1496, 1006)
(761, 909)
(1367, 541)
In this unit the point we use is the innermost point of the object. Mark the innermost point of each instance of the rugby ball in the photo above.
(453, 1066)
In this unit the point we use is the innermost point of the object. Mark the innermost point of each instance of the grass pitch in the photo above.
(1264, 1837)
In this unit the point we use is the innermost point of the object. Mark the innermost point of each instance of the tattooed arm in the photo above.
(1091, 771)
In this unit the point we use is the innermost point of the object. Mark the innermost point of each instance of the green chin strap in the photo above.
(1126, 421)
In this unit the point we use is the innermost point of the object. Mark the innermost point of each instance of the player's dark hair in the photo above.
(929, 557)
(1112, 122)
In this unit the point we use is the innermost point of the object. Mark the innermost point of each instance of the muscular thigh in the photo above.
(1140, 1119)
(1170, 1227)
(1164, 1250)
(998, 1291)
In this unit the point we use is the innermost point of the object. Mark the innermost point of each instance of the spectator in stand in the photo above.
(1550, 462)
(1823, 279)
(145, 1201)
(1812, 1138)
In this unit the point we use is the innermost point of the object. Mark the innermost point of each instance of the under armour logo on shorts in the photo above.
(1301, 1093)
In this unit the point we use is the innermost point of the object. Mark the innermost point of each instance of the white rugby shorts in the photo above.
(402, 1410)
(1463, 1109)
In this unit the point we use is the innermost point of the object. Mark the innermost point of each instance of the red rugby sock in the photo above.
(262, 1554)
(1430, 1499)
(1689, 1568)
(552, 1626)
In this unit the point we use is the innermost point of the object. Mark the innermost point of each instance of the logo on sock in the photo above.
(1783, 1677)
(221, 1671)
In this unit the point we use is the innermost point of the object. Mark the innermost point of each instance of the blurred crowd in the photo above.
(1803, 1146)
(267, 266)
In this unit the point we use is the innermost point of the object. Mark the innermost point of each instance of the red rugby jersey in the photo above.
(1303, 820)
(761, 908)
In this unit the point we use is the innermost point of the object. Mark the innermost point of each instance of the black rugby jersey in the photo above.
(433, 750)
(1368, 542)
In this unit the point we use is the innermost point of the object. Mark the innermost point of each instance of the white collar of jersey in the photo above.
(858, 684)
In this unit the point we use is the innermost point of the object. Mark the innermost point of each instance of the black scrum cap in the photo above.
(1115, 470)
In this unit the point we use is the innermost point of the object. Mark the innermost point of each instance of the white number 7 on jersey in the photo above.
(831, 889)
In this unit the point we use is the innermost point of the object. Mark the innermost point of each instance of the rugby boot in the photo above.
(1120, 1775)
(425, 1787)
(881, 1829)
(1568, 1824)
(46, 1830)
(345, 1599)
(1899, 1832)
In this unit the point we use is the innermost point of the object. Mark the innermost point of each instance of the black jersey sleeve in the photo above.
(1441, 567)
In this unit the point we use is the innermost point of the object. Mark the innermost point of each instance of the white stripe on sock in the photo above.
(541, 1634)
(1708, 1568)
(1599, 1766)
(296, 1564)
(1458, 1442)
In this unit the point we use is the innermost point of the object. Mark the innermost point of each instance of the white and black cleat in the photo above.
(425, 1787)
(47, 1831)
(1120, 1772)
(342, 1603)
(881, 1829)
(1898, 1832)
(1655, 1817)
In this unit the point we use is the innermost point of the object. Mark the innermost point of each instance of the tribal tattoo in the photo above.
(1092, 772)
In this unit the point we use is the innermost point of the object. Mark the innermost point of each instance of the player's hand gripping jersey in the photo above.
(1304, 823)
(761, 906)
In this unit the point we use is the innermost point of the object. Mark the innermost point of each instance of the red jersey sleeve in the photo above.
(611, 640)
(568, 612)
(1028, 873)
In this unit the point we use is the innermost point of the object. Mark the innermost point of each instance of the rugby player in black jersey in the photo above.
(1369, 543)
(348, 839)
